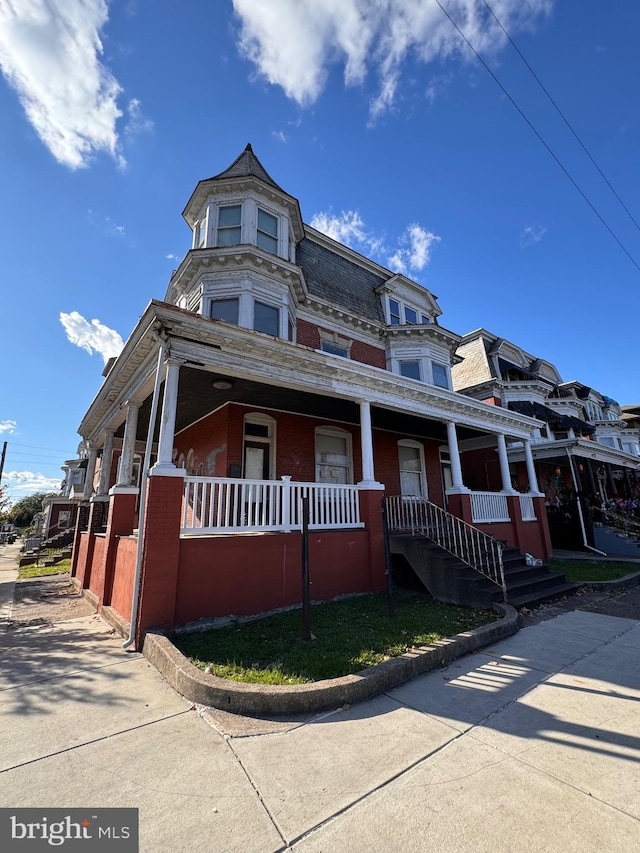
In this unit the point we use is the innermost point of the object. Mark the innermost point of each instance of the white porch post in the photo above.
(531, 469)
(164, 465)
(454, 456)
(105, 467)
(89, 474)
(504, 464)
(366, 441)
(125, 469)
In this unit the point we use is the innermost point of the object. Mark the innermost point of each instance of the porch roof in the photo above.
(265, 369)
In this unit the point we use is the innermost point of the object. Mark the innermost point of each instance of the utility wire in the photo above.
(562, 115)
(539, 136)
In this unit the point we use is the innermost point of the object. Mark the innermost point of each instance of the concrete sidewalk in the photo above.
(532, 744)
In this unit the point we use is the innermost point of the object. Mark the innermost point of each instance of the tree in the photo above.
(22, 513)
(5, 503)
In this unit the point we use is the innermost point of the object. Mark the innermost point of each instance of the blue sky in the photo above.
(384, 125)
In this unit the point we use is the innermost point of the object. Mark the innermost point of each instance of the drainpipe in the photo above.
(580, 516)
(143, 493)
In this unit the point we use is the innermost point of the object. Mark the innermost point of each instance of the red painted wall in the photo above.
(307, 334)
(122, 591)
(96, 579)
(221, 576)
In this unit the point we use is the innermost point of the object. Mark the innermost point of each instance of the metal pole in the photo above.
(387, 559)
(306, 615)
(4, 453)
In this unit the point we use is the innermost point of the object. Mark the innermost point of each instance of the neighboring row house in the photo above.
(586, 452)
(282, 365)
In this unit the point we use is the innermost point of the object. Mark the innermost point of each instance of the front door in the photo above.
(256, 461)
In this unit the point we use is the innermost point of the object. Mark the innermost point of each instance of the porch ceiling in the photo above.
(197, 398)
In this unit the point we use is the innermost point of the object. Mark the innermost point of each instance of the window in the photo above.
(440, 375)
(267, 232)
(411, 463)
(225, 309)
(609, 441)
(401, 314)
(266, 318)
(410, 369)
(229, 222)
(334, 349)
(333, 456)
(201, 233)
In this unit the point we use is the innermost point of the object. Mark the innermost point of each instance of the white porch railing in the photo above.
(527, 509)
(489, 506)
(226, 505)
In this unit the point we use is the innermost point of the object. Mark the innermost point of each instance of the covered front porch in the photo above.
(207, 449)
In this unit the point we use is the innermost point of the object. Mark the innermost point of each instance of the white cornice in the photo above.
(244, 353)
(429, 331)
(243, 257)
(578, 447)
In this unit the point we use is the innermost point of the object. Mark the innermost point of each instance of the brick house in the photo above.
(586, 451)
(280, 364)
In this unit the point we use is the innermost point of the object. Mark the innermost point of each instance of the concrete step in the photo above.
(551, 592)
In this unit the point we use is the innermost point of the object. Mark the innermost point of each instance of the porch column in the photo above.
(165, 465)
(366, 441)
(89, 474)
(590, 477)
(125, 469)
(611, 482)
(531, 468)
(454, 456)
(504, 464)
(105, 468)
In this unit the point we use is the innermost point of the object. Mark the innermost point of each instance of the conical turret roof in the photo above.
(247, 165)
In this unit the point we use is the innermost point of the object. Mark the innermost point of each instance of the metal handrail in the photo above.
(471, 546)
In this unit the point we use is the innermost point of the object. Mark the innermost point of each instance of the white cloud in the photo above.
(347, 228)
(8, 426)
(376, 35)
(91, 336)
(531, 235)
(137, 123)
(50, 53)
(414, 249)
(171, 257)
(279, 135)
(27, 482)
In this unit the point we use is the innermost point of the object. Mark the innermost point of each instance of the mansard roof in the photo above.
(247, 165)
(335, 279)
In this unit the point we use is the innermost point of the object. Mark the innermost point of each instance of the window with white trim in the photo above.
(334, 462)
(266, 318)
(267, 236)
(200, 234)
(334, 344)
(411, 369)
(413, 481)
(229, 225)
(401, 314)
(225, 309)
(440, 374)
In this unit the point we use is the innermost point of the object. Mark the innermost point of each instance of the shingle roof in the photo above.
(556, 420)
(246, 165)
(336, 279)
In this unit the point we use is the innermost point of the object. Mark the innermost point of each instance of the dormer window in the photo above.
(267, 237)
(401, 314)
(229, 225)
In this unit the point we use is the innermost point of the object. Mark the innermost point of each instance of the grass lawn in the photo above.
(41, 571)
(583, 571)
(352, 634)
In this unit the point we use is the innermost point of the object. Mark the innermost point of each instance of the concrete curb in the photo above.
(265, 700)
(624, 582)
